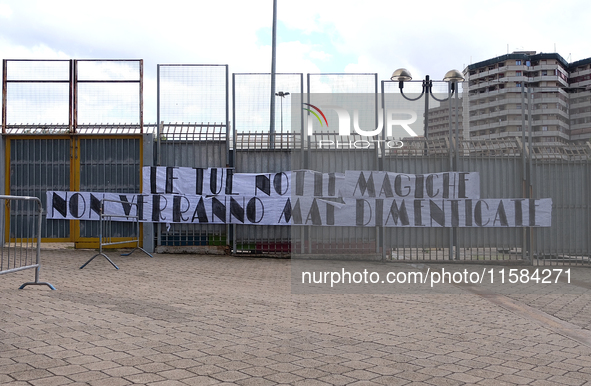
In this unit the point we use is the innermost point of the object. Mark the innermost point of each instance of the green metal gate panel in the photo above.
(36, 165)
(111, 164)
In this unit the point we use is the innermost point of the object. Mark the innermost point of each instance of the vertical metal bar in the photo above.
(381, 164)
(524, 173)
(457, 128)
(378, 241)
(273, 65)
(302, 123)
(227, 117)
(529, 169)
(4, 93)
(305, 229)
(141, 64)
(457, 148)
(38, 248)
(158, 122)
(74, 96)
(451, 231)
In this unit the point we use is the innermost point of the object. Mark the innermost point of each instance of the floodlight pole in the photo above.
(282, 95)
(273, 66)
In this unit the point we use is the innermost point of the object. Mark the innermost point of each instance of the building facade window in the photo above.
(518, 62)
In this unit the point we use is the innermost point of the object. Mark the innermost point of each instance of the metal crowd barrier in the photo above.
(106, 230)
(21, 242)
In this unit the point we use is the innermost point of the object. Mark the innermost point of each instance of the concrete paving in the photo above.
(208, 320)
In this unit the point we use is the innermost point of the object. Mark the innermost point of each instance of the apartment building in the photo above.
(580, 100)
(501, 92)
(439, 120)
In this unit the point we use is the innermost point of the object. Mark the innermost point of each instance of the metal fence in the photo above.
(37, 92)
(108, 224)
(196, 146)
(72, 96)
(506, 171)
(21, 236)
(201, 94)
(108, 92)
(255, 153)
(192, 93)
(565, 175)
(36, 165)
(251, 102)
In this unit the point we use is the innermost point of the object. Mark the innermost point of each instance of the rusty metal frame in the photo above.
(76, 82)
(5, 82)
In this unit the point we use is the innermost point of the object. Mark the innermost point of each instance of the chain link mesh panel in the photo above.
(37, 92)
(193, 93)
(108, 92)
(252, 101)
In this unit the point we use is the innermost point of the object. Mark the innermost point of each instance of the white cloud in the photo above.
(424, 36)
(320, 55)
(295, 57)
(10, 50)
(5, 10)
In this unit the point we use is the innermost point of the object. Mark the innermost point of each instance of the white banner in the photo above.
(306, 197)
(308, 183)
(304, 210)
(448, 185)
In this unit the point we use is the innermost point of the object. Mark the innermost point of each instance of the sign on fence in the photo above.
(304, 197)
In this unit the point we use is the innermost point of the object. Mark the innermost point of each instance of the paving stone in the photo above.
(111, 381)
(237, 322)
(230, 376)
(50, 381)
(200, 381)
(176, 374)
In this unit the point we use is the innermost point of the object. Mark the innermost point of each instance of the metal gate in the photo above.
(37, 164)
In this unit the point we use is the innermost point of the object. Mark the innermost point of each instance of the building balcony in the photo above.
(583, 84)
(581, 72)
(549, 133)
(583, 114)
(549, 67)
(579, 105)
(548, 111)
(546, 78)
(580, 126)
(485, 73)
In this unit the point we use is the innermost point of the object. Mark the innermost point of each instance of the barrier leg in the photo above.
(135, 249)
(99, 254)
(37, 282)
(105, 225)
(137, 245)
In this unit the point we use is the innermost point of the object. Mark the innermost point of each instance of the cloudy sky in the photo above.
(427, 37)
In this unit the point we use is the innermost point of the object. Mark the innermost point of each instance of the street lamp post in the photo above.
(452, 77)
(282, 95)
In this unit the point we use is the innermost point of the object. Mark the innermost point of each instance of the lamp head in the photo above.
(401, 75)
(453, 76)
